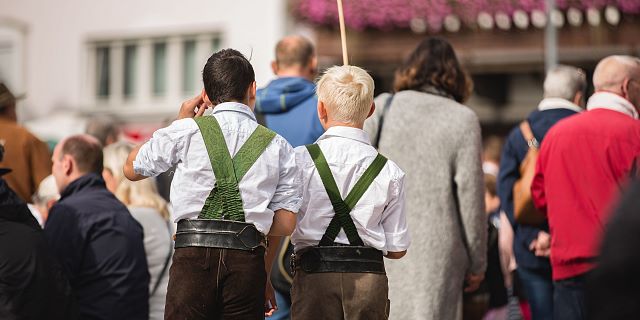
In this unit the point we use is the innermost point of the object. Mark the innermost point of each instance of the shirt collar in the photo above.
(612, 101)
(558, 103)
(236, 107)
(347, 132)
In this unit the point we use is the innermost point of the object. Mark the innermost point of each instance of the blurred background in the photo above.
(136, 61)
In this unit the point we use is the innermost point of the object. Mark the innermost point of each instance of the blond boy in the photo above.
(352, 214)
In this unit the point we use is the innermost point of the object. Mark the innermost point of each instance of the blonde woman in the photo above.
(151, 211)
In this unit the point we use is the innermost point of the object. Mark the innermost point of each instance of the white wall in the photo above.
(55, 61)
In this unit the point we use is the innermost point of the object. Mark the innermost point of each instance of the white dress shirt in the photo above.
(269, 184)
(379, 215)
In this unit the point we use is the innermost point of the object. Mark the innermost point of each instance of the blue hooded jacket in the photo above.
(289, 106)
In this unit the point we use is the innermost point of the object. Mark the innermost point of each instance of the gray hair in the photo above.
(564, 82)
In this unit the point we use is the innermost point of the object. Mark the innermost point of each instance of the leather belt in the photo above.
(355, 259)
(224, 234)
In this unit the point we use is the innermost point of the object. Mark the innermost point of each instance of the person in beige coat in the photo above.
(436, 140)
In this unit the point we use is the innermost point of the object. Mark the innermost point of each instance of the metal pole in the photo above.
(550, 38)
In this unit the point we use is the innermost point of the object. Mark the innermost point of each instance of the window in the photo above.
(189, 66)
(215, 44)
(130, 65)
(102, 72)
(159, 68)
(138, 70)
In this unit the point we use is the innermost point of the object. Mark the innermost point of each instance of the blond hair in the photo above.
(143, 193)
(347, 92)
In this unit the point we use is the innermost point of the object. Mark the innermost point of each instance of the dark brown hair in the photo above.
(227, 76)
(86, 151)
(434, 63)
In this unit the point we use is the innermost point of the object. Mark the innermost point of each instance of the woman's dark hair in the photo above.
(434, 63)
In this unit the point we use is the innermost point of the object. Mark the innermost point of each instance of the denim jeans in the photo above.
(538, 287)
(568, 299)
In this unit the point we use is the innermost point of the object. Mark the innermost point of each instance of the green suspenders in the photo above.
(224, 202)
(342, 208)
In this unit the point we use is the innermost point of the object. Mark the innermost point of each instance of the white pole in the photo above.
(343, 34)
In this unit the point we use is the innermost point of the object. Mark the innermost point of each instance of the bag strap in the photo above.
(225, 201)
(342, 219)
(531, 140)
(381, 121)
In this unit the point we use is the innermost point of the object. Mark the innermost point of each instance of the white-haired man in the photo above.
(353, 209)
(582, 165)
(564, 91)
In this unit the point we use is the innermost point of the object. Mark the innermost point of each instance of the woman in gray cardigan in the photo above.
(436, 140)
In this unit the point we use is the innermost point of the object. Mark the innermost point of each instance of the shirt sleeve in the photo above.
(288, 193)
(165, 149)
(537, 185)
(394, 221)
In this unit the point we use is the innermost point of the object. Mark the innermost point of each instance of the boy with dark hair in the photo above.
(233, 185)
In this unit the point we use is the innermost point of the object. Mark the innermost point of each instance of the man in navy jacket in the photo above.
(289, 106)
(564, 93)
(95, 238)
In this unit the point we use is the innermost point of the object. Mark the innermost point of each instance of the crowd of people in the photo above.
(316, 200)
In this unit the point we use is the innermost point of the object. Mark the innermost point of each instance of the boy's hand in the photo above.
(270, 305)
(188, 108)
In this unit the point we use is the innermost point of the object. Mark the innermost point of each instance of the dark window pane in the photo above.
(130, 64)
(159, 68)
(189, 66)
(102, 72)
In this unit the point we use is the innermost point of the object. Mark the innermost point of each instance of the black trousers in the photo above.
(211, 283)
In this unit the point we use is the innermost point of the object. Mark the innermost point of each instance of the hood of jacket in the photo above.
(284, 94)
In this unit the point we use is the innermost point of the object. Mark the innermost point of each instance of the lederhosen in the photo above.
(221, 223)
(329, 256)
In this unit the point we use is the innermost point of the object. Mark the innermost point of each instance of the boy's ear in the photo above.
(322, 113)
(373, 109)
(252, 90)
(274, 67)
(205, 97)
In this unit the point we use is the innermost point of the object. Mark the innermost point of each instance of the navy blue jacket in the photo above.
(513, 153)
(290, 105)
(100, 246)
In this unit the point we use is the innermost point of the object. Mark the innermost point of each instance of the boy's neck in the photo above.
(246, 103)
(333, 123)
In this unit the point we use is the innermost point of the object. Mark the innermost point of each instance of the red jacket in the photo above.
(583, 163)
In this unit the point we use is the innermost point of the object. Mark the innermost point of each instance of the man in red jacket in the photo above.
(583, 163)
